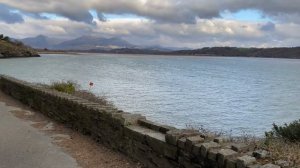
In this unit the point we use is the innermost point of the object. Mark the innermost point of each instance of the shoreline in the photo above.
(167, 55)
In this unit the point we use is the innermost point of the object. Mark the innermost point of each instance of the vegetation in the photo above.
(66, 87)
(73, 88)
(10, 48)
(293, 52)
(290, 132)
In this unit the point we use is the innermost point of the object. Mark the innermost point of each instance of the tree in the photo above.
(1, 36)
(6, 38)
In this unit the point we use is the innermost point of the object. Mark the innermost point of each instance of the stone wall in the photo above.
(152, 144)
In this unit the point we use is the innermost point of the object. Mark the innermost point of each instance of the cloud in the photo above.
(172, 11)
(269, 26)
(8, 16)
(181, 23)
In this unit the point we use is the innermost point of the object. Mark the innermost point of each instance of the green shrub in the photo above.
(289, 132)
(66, 87)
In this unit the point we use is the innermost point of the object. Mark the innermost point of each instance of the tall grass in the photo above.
(66, 87)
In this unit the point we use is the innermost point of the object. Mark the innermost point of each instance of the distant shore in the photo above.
(292, 53)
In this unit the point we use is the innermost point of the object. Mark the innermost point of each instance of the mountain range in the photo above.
(86, 43)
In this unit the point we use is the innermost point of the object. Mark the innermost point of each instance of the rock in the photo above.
(282, 163)
(220, 140)
(270, 166)
(261, 154)
(254, 166)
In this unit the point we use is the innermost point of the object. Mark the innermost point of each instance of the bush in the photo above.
(289, 132)
(66, 87)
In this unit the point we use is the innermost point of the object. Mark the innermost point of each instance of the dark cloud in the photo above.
(270, 26)
(9, 17)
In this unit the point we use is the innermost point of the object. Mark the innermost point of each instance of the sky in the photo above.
(171, 23)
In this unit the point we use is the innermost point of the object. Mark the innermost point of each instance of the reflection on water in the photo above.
(238, 94)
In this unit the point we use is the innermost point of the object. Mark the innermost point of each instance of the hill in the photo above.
(293, 52)
(9, 49)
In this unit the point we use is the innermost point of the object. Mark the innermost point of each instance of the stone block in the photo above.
(190, 141)
(181, 143)
(127, 118)
(230, 163)
(155, 126)
(173, 136)
(244, 161)
(196, 149)
(225, 154)
(135, 132)
(206, 146)
(171, 152)
(241, 147)
(212, 154)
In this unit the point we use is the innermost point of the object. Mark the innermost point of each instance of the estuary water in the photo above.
(235, 95)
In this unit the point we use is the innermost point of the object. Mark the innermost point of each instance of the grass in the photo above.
(66, 87)
(71, 87)
(280, 149)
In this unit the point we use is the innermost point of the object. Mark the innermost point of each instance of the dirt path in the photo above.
(29, 139)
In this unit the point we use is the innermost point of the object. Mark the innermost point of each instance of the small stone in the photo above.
(270, 166)
(261, 154)
(244, 161)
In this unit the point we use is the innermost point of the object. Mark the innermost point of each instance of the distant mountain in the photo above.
(91, 42)
(85, 43)
(161, 48)
(40, 42)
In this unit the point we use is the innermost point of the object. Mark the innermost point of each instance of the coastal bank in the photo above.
(154, 145)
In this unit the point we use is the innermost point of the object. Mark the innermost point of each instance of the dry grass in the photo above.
(282, 150)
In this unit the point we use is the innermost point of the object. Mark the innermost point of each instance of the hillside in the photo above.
(15, 49)
(293, 52)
